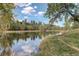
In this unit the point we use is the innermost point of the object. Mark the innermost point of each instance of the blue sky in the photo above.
(32, 11)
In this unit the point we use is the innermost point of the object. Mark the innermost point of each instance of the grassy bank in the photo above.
(53, 45)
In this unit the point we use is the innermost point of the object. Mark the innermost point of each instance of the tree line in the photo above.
(69, 12)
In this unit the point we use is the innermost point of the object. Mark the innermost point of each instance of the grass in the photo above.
(71, 38)
(53, 47)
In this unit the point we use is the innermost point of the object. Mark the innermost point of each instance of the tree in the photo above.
(6, 15)
(75, 25)
(59, 11)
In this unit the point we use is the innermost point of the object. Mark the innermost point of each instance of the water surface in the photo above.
(21, 44)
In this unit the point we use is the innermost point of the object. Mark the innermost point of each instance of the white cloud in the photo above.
(22, 4)
(28, 10)
(25, 17)
(41, 13)
(35, 7)
(33, 10)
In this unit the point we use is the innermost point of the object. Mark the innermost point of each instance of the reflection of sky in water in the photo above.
(27, 47)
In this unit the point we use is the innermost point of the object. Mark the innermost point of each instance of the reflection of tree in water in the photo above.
(6, 41)
(6, 44)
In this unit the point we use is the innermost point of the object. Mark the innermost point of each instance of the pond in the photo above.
(21, 44)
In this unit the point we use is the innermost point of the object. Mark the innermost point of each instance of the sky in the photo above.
(32, 11)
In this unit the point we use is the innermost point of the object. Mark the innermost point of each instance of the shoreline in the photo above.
(29, 31)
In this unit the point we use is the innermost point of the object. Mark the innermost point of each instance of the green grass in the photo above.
(54, 47)
(71, 38)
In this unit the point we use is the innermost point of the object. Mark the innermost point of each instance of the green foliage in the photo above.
(6, 15)
(57, 11)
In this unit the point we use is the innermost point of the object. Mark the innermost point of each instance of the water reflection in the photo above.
(20, 44)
